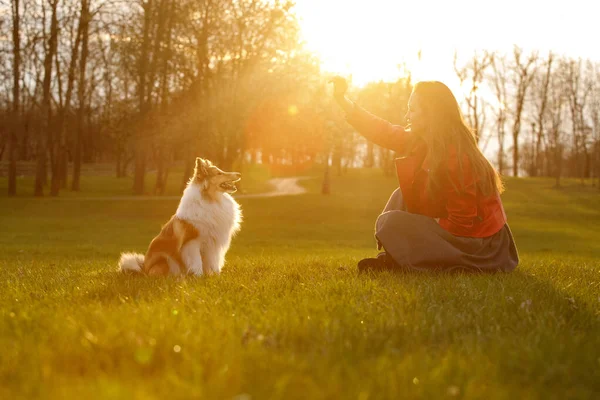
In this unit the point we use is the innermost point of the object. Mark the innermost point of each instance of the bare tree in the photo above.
(500, 88)
(163, 79)
(161, 60)
(13, 134)
(594, 117)
(540, 93)
(59, 167)
(46, 108)
(554, 120)
(85, 16)
(473, 74)
(523, 69)
(141, 146)
(578, 88)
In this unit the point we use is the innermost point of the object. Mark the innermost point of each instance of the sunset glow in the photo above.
(370, 40)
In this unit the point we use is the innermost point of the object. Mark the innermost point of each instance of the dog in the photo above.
(195, 240)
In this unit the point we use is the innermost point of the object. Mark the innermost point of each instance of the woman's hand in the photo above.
(340, 87)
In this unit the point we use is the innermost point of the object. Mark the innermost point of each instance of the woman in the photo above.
(446, 213)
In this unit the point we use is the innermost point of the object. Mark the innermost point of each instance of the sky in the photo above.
(369, 39)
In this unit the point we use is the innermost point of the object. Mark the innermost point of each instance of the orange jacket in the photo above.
(468, 213)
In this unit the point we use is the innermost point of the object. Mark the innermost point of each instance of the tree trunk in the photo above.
(523, 72)
(542, 93)
(370, 156)
(140, 148)
(501, 134)
(515, 155)
(538, 149)
(326, 187)
(163, 34)
(118, 169)
(501, 159)
(160, 168)
(598, 164)
(558, 164)
(46, 111)
(60, 180)
(336, 159)
(13, 135)
(78, 145)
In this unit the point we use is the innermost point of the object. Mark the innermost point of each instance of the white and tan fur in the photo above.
(195, 239)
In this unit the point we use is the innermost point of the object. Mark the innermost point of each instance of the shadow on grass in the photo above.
(523, 283)
(526, 327)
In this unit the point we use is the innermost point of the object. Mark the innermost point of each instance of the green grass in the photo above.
(290, 317)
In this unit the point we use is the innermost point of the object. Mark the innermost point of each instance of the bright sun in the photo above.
(371, 43)
(372, 40)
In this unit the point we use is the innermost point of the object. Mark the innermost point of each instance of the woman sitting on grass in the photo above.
(447, 213)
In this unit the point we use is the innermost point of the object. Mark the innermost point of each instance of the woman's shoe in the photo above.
(381, 263)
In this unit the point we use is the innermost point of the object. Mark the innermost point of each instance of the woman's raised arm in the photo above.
(374, 129)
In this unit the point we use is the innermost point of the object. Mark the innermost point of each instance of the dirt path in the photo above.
(281, 187)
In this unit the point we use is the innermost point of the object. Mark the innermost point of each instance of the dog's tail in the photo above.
(131, 262)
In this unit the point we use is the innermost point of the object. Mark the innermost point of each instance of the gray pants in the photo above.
(418, 242)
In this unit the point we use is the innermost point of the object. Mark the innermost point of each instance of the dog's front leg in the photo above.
(190, 254)
(212, 257)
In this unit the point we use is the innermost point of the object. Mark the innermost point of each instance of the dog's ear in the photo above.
(200, 169)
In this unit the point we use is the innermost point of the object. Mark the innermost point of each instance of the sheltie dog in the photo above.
(195, 240)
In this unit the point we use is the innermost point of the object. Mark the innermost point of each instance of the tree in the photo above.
(46, 107)
(522, 73)
(13, 134)
(540, 93)
(81, 93)
(578, 88)
(473, 74)
(554, 120)
(59, 167)
(498, 77)
(594, 116)
(141, 147)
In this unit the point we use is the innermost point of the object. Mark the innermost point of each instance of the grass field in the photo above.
(290, 318)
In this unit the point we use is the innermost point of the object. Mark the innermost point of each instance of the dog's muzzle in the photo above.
(229, 186)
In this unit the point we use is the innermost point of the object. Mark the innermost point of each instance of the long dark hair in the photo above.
(447, 128)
